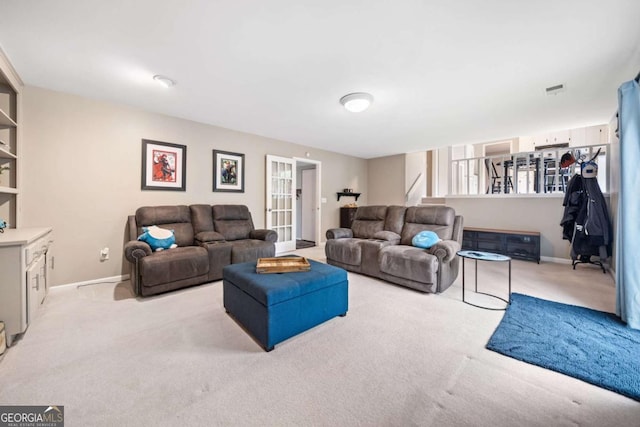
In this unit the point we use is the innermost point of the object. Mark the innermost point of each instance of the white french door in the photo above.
(281, 206)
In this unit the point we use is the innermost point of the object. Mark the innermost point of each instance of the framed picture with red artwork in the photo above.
(164, 166)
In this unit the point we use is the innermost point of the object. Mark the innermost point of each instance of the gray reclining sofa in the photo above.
(378, 244)
(208, 238)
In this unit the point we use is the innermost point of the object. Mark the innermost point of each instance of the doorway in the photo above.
(307, 203)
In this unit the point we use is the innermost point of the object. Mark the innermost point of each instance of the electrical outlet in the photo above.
(104, 254)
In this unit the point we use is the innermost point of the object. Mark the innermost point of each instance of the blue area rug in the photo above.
(591, 345)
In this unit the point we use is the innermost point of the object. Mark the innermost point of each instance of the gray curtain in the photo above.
(628, 234)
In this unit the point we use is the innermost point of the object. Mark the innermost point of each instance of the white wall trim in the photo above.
(556, 260)
(569, 261)
(113, 279)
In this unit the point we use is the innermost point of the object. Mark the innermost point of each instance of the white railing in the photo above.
(413, 186)
(533, 172)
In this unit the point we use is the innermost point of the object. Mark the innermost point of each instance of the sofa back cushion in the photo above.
(395, 219)
(439, 219)
(201, 218)
(176, 218)
(368, 221)
(232, 221)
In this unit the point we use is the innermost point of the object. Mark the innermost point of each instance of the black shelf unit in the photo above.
(346, 216)
(524, 245)
(342, 194)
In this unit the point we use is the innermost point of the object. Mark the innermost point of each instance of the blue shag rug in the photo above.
(590, 345)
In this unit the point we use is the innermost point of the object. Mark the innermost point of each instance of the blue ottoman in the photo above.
(274, 307)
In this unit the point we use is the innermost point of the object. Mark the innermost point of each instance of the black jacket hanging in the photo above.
(586, 222)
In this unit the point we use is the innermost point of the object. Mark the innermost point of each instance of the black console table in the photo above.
(524, 245)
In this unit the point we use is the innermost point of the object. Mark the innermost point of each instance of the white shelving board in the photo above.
(6, 121)
(6, 154)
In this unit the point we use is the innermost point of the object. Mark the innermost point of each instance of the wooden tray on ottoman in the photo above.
(282, 265)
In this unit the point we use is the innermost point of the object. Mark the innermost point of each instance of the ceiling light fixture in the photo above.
(164, 80)
(357, 102)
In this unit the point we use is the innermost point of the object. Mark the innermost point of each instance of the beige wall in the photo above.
(81, 174)
(542, 214)
(386, 181)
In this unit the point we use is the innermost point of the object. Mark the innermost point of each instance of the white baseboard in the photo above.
(112, 279)
(555, 260)
(569, 261)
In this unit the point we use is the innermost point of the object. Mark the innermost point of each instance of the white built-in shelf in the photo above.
(6, 121)
(5, 154)
(8, 190)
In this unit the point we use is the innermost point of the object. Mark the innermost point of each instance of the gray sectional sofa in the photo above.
(378, 244)
(208, 238)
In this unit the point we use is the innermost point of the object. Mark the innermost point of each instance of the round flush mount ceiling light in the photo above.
(357, 102)
(164, 80)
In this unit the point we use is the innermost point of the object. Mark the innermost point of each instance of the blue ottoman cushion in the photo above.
(274, 307)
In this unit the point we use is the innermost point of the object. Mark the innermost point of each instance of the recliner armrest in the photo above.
(134, 250)
(444, 250)
(339, 233)
(389, 236)
(266, 235)
(208, 237)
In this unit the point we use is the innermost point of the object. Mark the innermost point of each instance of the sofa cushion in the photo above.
(201, 218)
(232, 221)
(439, 219)
(388, 236)
(368, 220)
(345, 251)
(173, 265)
(176, 218)
(409, 263)
(395, 219)
(250, 250)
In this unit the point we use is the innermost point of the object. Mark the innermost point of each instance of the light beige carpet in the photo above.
(398, 358)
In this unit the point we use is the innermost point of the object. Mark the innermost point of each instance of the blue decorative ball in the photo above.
(425, 239)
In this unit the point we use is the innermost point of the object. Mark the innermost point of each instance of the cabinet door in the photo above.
(526, 143)
(559, 137)
(578, 137)
(596, 135)
(42, 281)
(35, 287)
(49, 270)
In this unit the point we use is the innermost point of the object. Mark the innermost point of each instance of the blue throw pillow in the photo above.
(425, 239)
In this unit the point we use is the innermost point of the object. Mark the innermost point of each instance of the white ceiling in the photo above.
(442, 72)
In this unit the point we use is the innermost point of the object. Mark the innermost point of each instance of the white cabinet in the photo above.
(26, 261)
(597, 135)
(578, 137)
(559, 137)
(525, 144)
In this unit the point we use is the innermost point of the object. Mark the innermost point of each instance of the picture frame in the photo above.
(164, 166)
(228, 171)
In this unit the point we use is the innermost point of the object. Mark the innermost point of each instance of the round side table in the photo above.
(484, 256)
